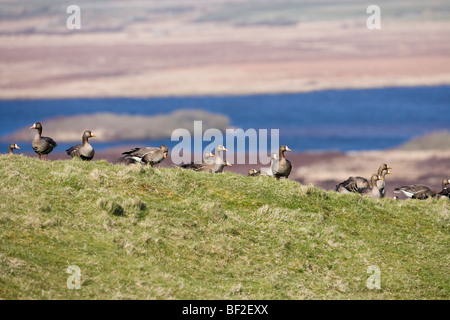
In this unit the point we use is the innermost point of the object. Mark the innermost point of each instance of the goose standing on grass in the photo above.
(149, 155)
(383, 170)
(282, 168)
(353, 184)
(215, 167)
(206, 160)
(42, 145)
(445, 193)
(84, 150)
(416, 191)
(12, 146)
(375, 187)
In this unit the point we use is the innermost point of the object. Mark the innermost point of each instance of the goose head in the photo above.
(221, 148)
(445, 182)
(384, 167)
(89, 134)
(14, 146)
(252, 172)
(165, 150)
(373, 180)
(284, 148)
(36, 125)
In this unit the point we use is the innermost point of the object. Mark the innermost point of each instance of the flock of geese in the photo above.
(280, 167)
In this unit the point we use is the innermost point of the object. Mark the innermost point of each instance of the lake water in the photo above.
(356, 119)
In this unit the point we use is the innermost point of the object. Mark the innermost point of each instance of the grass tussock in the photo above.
(165, 233)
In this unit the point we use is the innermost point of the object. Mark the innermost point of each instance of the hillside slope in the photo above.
(164, 233)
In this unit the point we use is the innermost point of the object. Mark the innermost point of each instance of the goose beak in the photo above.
(33, 126)
(93, 135)
(17, 147)
(229, 164)
(165, 155)
(225, 149)
(287, 149)
(211, 155)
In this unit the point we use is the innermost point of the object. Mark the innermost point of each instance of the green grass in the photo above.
(165, 233)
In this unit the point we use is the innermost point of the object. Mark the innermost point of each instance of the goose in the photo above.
(85, 150)
(353, 184)
(216, 166)
(42, 145)
(375, 189)
(12, 146)
(282, 167)
(206, 160)
(253, 173)
(416, 191)
(148, 155)
(445, 193)
(226, 164)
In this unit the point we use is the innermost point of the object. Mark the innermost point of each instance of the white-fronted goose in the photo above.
(12, 146)
(42, 145)
(148, 155)
(383, 170)
(206, 160)
(84, 150)
(416, 191)
(253, 173)
(375, 189)
(353, 184)
(226, 164)
(445, 193)
(216, 166)
(282, 168)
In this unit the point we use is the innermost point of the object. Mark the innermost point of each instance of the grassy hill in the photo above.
(164, 233)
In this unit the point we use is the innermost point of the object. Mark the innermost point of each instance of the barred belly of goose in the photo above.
(84, 151)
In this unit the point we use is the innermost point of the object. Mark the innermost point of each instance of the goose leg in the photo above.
(39, 156)
(46, 156)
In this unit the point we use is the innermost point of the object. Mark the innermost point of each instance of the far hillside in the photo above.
(433, 141)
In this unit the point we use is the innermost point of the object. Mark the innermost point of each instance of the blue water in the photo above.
(362, 119)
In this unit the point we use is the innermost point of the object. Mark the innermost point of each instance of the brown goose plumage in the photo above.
(42, 145)
(12, 146)
(353, 184)
(282, 168)
(84, 150)
(375, 189)
(149, 155)
(416, 191)
(215, 167)
(206, 160)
